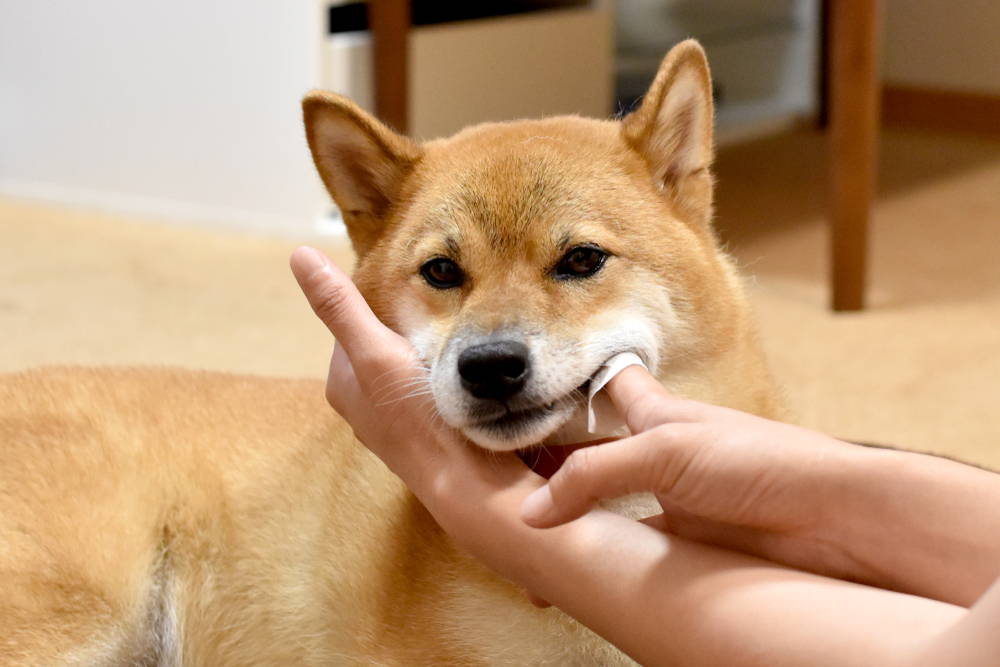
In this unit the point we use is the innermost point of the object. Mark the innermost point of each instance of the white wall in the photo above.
(187, 108)
(943, 45)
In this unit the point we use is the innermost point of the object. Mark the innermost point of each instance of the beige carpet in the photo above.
(920, 368)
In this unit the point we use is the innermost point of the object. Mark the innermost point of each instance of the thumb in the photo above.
(338, 303)
(644, 403)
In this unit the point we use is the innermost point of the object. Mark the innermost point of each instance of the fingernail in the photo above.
(310, 260)
(538, 507)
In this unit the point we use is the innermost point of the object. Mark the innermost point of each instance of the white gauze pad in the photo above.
(603, 421)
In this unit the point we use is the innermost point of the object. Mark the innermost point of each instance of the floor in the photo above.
(920, 368)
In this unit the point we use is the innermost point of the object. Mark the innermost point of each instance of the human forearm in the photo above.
(664, 600)
(973, 641)
(669, 601)
(919, 524)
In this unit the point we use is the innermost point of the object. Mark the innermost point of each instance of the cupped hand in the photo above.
(377, 383)
(722, 477)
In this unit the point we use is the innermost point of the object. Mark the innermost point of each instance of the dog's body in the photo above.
(153, 515)
(167, 517)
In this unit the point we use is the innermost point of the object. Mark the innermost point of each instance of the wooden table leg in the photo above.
(389, 24)
(854, 103)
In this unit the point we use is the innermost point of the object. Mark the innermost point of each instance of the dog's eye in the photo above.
(442, 273)
(580, 262)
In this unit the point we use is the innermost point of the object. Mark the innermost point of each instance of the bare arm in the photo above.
(893, 519)
(667, 601)
(972, 641)
(921, 524)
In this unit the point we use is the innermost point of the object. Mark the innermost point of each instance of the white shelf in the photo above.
(764, 54)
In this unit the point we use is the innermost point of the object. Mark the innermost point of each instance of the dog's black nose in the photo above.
(494, 370)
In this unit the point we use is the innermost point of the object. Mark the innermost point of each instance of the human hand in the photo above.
(722, 477)
(374, 382)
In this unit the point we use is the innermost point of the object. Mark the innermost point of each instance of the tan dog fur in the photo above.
(170, 517)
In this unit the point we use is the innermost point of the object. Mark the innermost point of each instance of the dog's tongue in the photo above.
(602, 422)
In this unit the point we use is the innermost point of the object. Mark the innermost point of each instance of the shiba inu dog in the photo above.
(161, 517)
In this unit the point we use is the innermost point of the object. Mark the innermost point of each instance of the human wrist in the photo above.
(920, 524)
(859, 509)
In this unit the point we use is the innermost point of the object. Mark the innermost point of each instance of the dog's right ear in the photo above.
(361, 161)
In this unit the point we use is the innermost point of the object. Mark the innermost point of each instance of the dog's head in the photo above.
(518, 257)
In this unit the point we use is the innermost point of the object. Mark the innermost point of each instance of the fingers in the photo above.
(633, 383)
(336, 301)
(644, 403)
(651, 461)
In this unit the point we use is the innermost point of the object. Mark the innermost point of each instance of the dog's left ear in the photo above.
(672, 130)
(362, 162)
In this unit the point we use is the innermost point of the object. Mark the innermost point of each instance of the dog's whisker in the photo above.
(400, 384)
(411, 395)
(401, 391)
(415, 366)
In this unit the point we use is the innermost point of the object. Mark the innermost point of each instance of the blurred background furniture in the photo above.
(853, 112)
(431, 68)
(767, 67)
(187, 111)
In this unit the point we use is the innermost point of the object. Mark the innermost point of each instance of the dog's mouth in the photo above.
(516, 420)
(533, 422)
(521, 419)
(524, 426)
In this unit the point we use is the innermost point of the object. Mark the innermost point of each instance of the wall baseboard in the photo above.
(171, 211)
(949, 110)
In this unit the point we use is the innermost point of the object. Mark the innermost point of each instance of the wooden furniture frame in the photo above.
(853, 99)
(853, 107)
(389, 23)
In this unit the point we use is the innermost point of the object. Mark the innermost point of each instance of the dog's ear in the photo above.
(361, 161)
(672, 130)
